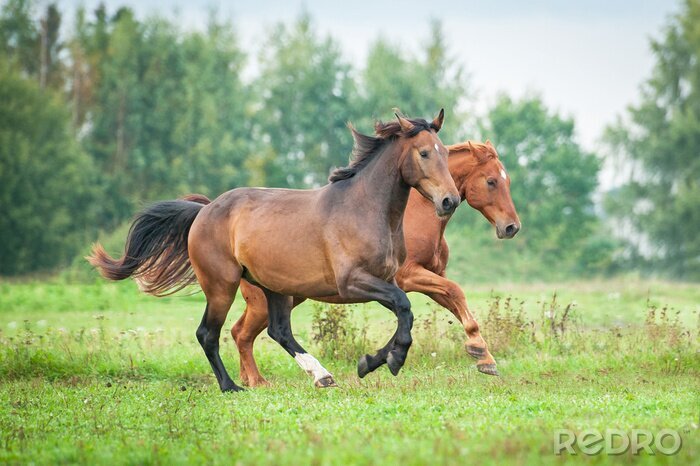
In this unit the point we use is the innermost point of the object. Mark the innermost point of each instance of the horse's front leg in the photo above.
(362, 286)
(450, 296)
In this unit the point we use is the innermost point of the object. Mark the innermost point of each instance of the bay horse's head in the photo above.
(423, 159)
(483, 182)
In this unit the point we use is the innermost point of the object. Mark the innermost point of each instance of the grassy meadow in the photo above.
(100, 373)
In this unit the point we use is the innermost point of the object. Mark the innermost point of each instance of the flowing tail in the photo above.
(156, 248)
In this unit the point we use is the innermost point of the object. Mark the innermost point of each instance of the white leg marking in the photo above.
(311, 365)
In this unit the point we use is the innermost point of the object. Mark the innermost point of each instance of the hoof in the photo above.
(475, 352)
(326, 382)
(258, 383)
(489, 369)
(363, 366)
(394, 364)
(232, 388)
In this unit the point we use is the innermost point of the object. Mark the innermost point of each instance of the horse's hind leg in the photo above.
(245, 331)
(279, 308)
(220, 292)
(208, 334)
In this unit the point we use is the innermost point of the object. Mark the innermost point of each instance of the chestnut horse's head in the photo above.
(423, 160)
(484, 183)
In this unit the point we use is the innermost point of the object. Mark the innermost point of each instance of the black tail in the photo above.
(156, 248)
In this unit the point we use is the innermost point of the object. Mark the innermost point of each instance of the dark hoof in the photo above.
(475, 352)
(489, 369)
(232, 388)
(363, 366)
(394, 364)
(326, 382)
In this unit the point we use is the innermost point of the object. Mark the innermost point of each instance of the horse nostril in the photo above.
(511, 230)
(447, 204)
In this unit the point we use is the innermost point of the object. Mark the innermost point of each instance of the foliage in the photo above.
(335, 334)
(46, 180)
(308, 95)
(168, 113)
(19, 35)
(657, 142)
(419, 84)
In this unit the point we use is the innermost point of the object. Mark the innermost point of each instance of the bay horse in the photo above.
(344, 239)
(483, 182)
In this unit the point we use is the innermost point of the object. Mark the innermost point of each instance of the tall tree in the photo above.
(307, 97)
(50, 66)
(419, 83)
(19, 36)
(46, 188)
(658, 142)
(214, 131)
(167, 109)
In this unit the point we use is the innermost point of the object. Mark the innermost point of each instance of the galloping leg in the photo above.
(280, 330)
(245, 331)
(450, 296)
(362, 286)
(219, 277)
(208, 335)
(248, 327)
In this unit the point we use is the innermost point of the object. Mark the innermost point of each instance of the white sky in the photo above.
(585, 58)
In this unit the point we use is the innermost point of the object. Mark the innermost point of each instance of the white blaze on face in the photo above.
(311, 365)
(503, 170)
(436, 149)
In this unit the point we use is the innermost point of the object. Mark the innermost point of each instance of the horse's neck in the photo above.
(381, 184)
(421, 219)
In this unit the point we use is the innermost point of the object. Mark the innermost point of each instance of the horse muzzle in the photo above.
(507, 231)
(447, 206)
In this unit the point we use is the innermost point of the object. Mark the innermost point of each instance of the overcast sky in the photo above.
(586, 58)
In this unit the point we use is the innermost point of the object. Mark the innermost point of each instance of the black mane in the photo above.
(366, 147)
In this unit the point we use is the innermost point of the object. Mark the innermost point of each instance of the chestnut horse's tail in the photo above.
(156, 248)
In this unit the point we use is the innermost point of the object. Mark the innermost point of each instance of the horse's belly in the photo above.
(302, 272)
(292, 282)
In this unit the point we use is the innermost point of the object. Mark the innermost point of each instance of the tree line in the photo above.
(120, 110)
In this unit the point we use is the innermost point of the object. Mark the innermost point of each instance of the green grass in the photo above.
(98, 373)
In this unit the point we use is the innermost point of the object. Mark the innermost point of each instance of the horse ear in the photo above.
(488, 143)
(406, 125)
(471, 147)
(437, 122)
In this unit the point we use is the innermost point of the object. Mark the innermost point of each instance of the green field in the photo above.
(99, 373)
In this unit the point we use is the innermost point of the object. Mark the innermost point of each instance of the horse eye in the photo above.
(424, 154)
(491, 182)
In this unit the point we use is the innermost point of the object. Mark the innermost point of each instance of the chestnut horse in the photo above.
(483, 182)
(344, 239)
